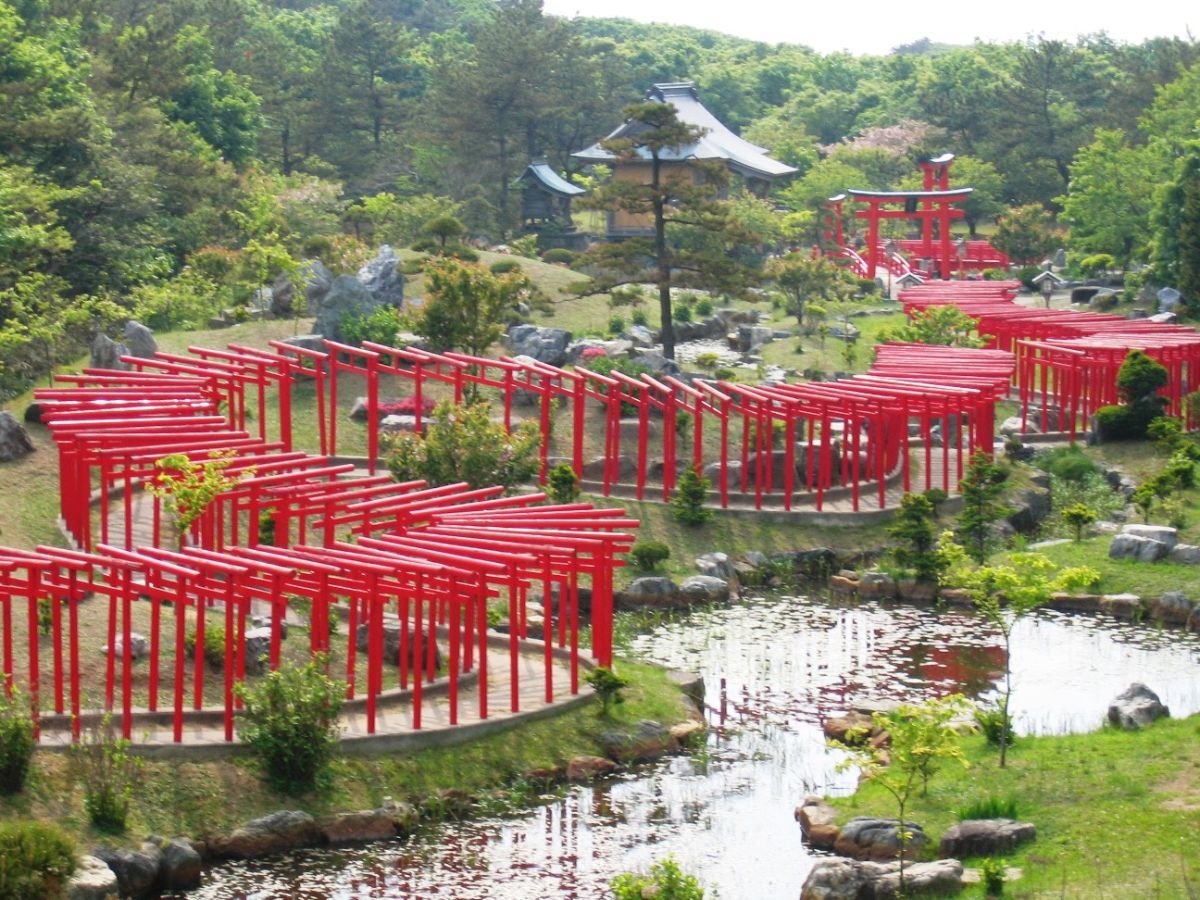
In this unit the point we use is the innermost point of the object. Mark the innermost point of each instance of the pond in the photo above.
(726, 812)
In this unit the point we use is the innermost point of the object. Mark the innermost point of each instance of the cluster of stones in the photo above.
(882, 586)
(722, 577)
(1150, 543)
(870, 849)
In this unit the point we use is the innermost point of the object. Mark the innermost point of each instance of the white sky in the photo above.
(876, 26)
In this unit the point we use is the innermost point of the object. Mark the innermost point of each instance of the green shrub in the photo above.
(1165, 432)
(36, 860)
(381, 327)
(108, 771)
(562, 484)
(608, 685)
(647, 555)
(16, 741)
(290, 722)
(703, 307)
(559, 256)
(214, 642)
(994, 275)
(1026, 274)
(1068, 463)
(1077, 517)
(682, 313)
(616, 325)
(665, 882)
(991, 870)
(638, 317)
(993, 723)
(989, 807)
(1125, 423)
(687, 504)
(503, 266)
(708, 361)
(1104, 302)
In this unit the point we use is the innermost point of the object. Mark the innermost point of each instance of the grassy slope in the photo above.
(1117, 812)
(205, 798)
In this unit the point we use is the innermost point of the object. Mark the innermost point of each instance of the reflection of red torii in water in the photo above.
(932, 207)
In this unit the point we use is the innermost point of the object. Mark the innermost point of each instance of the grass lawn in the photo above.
(1117, 812)
(199, 799)
(1123, 575)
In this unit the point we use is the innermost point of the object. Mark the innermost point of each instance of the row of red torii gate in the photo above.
(425, 561)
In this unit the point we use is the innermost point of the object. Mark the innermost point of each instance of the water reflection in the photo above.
(726, 813)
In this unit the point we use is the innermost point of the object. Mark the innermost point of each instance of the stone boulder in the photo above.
(317, 282)
(107, 353)
(391, 642)
(93, 880)
(716, 564)
(139, 340)
(346, 297)
(1172, 608)
(985, 837)
(547, 345)
(1188, 554)
(1136, 707)
(751, 337)
(257, 642)
(181, 864)
(877, 585)
(1032, 507)
(283, 297)
(648, 740)
(139, 646)
(286, 829)
(704, 589)
(916, 590)
(657, 362)
(1123, 606)
(356, 827)
(847, 879)
(839, 728)
(642, 337)
(1132, 546)
(593, 469)
(1161, 533)
(818, 822)
(878, 839)
(383, 279)
(690, 685)
(14, 439)
(652, 591)
(137, 871)
(589, 768)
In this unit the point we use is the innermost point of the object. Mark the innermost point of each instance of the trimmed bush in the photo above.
(703, 307)
(559, 256)
(616, 325)
(503, 266)
(687, 504)
(1067, 463)
(647, 555)
(36, 860)
(16, 742)
(562, 484)
(290, 722)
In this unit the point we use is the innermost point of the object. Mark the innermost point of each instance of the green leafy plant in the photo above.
(562, 484)
(380, 326)
(687, 504)
(666, 881)
(290, 722)
(923, 737)
(214, 642)
(106, 767)
(36, 860)
(994, 725)
(647, 555)
(982, 490)
(913, 527)
(16, 741)
(608, 686)
(991, 870)
(616, 325)
(1077, 517)
(989, 807)
(703, 307)
(187, 488)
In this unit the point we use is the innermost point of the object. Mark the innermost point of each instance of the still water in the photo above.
(726, 814)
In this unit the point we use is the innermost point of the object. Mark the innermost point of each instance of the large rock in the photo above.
(547, 345)
(704, 589)
(283, 297)
(648, 740)
(716, 564)
(985, 837)
(14, 439)
(1161, 533)
(1033, 506)
(652, 590)
(877, 585)
(139, 646)
(593, 469)
(589, 768)
(641, 336)
(93, 880)
(391, 642)
(751, 337)
(853, 728)
(181, 864)
(1173, 608)
(355, 827)
(107, 353)
(1188, 554)
(139, 340)
(657, 362)
(1136, 707)
(878, 839)
(818, 822)
(137, 871)
(383, 279)
(847, 879)
(317, 282)
(283, 830)
(1133, 546)
(346, 297)
(257, 642)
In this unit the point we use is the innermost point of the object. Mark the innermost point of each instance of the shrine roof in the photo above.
(717, 143)
(542, 172)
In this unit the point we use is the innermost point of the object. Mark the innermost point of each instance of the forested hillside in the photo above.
(168, 156)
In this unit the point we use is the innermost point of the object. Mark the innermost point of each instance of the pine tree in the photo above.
(982, 489)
